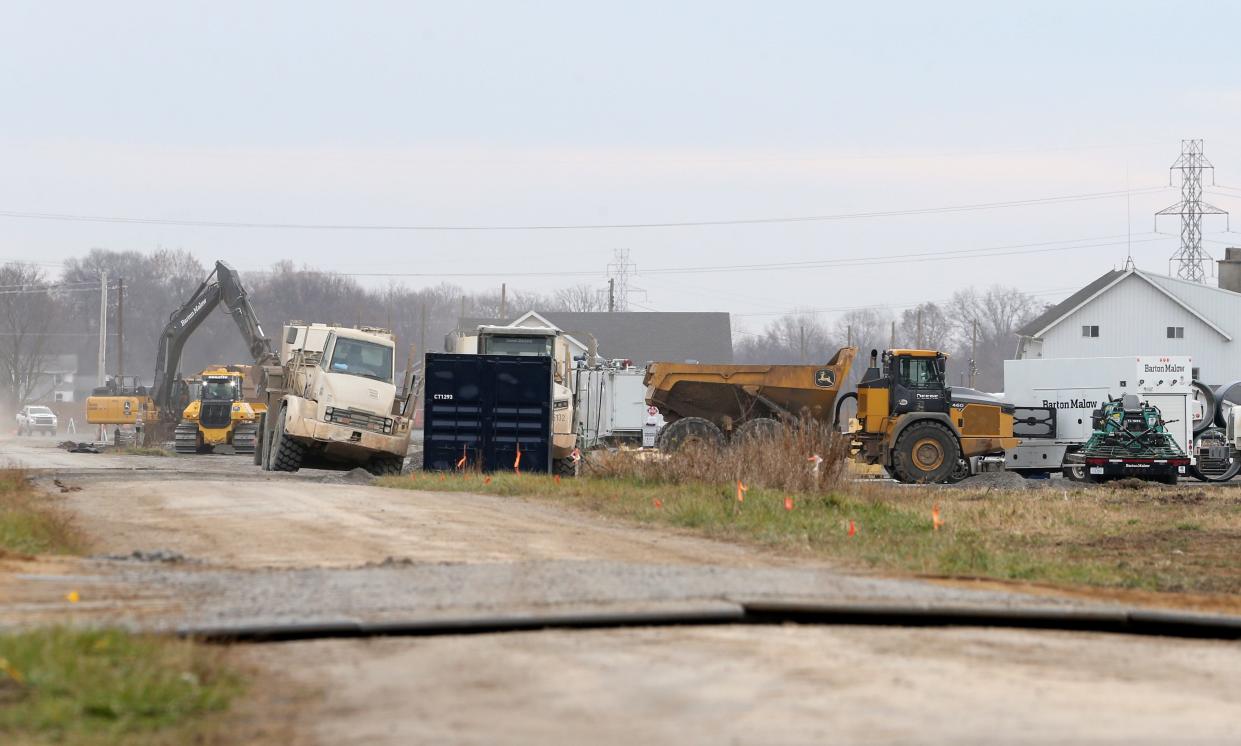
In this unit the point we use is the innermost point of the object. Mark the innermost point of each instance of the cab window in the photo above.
(920, 372)
(356, 357)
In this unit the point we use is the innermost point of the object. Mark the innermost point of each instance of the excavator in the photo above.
(217, 414)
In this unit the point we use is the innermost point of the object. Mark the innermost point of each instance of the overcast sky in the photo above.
(571, 113)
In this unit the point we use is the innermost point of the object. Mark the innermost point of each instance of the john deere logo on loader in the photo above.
(825, 378)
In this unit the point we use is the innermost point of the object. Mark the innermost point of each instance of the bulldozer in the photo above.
(908, 420)
(220, 414)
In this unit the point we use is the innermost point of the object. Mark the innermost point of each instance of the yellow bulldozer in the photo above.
(220, 414)
(909, 421)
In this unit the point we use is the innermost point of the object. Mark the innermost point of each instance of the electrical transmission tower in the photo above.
(1190, 259)
(618, 280)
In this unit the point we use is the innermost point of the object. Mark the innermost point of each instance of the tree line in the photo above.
(973, 325)
(43, 315)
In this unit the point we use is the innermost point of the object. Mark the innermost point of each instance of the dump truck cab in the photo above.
(919, 428)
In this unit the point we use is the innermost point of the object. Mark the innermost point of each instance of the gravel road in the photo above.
(208, 542)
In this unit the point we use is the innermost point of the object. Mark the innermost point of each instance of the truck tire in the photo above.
(286, 453)
(757, 430)
(688, 431)
(1214, 470)
(926, 452)
(245, 436)
(386, 466)
(185, 437)
(564, 467)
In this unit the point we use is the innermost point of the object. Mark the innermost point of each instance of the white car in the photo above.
(36, 419)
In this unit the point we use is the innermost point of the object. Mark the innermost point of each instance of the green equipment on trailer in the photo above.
(1131, 440)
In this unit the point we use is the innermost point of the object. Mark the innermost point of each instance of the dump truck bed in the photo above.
(730, 394)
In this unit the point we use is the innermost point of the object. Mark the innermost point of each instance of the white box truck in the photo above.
(1055, 400)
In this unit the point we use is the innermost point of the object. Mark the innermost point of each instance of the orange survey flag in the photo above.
(517, 461)
(741, 488)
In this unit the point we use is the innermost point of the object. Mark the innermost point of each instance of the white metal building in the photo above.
(1131, 312)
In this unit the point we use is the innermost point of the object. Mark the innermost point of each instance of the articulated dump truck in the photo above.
(909, 421)
(332, 401)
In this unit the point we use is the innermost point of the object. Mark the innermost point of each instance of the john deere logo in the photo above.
(824, 378)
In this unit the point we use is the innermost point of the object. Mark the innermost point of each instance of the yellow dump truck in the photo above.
(909, 421)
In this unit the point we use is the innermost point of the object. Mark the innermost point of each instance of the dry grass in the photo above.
(30, 523)
(1148, 537)
(782, 462)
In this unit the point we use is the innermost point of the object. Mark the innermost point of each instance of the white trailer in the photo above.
(1055, 399)
(611, 404)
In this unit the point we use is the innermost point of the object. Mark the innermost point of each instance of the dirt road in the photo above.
(254, 548)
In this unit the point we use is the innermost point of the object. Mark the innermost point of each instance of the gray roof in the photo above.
(643, 336)
(1061, 309)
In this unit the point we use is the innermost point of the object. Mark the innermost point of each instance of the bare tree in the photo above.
(581, 298)
(791, 339)
(986, 322)
(29, 313)
(926, 326)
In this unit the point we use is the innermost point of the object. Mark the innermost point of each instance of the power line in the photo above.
(845, 309)
(917, 257)
(67, 217)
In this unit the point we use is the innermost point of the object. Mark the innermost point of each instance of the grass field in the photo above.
(30, 524)
(65, 686)
(1153, 538)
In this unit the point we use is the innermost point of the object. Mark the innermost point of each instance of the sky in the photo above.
(391, 126)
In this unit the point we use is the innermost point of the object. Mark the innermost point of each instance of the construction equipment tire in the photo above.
(185, 437)
(961, 472)
(1209, 469)
(245, 435)
(926, 452)
(1171, 479)
(386, 466)
(759, 429)
(564, 467)
(286, 453)
(690, 431)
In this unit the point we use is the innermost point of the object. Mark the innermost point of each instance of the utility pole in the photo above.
(919, 340)
(974, 353)
(462, 315)
(892, 341)
(101, 375)
(802, 330)
(611, 295)
(120, 329)
(849, 335)
(422, 335)
(504, 301)
(1190, 259)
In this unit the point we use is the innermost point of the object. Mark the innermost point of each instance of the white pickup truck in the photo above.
(36, 419)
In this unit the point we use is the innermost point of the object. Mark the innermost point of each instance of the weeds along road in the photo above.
(220, 545)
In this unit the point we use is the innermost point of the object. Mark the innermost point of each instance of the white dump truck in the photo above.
(333, 401)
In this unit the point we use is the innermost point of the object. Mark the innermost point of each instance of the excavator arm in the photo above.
(222, 285)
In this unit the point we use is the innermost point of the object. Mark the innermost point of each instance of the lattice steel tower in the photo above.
(1190, 259)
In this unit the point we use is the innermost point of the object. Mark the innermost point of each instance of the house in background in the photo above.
(640, 336)
(55, 383)
(1132, 312)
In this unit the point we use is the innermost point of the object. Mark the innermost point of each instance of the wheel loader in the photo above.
(219, 415)
(909, 421)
